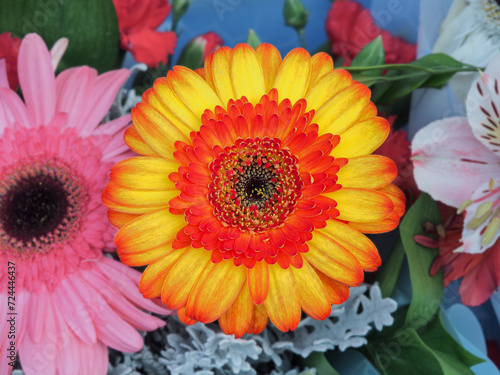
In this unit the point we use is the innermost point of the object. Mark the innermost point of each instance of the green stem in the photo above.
(302, 37)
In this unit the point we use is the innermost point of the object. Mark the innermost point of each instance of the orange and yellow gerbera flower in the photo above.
(254, 188)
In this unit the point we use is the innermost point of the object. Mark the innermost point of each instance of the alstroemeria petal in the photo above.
(483, 107)
(449, 162)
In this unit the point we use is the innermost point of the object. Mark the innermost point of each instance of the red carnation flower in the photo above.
(350, 27)
(138, 21)
(9, 49)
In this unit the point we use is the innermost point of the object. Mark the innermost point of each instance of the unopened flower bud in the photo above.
(196, 51)
(179, 8)
(295, 14)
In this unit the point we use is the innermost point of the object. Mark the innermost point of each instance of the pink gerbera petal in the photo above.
(71, 301)
(37, 78)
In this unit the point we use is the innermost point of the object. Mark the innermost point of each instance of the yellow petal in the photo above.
(154, 274)
(328, 86)
(361, 205)
(218, 291)
(312, 295)
(138, 198)
(144, 173)
(219, 71)
(358, 244)
(334, 260)
(152, 97)
(136, 143)
(282, 303)
(292, 78)
(146, 257)
(192, 90)
(246, 73)
(129, 208)
(341, 111)
(148, 231)
(157, 131)
(174, 105)
(322, 64)
(367, 172)
(362, 138)
(183, 276)
(270, 60)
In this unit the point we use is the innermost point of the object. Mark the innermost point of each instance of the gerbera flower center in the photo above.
(255, 184)
(39, 204)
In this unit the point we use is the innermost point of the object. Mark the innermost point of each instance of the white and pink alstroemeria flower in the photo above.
(457, 161)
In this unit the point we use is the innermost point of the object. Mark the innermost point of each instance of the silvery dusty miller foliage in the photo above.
(204, 350)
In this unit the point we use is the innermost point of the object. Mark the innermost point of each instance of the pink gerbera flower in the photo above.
(71, 302)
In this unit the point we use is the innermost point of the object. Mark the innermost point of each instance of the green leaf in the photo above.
(389, 272)
(252, 39)
(427, 290)
(91, 27)
(429, 350)
(433, 70)
(454, 359)
(372, 54)
(318, 361)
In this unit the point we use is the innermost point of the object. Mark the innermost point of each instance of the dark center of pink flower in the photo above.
(40, 203)
(34, 207)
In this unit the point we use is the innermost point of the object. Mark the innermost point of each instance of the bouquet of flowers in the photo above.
(235, 187)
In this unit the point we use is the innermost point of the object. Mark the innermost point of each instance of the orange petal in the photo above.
(119, 219)
(270, 60)
(136, 143)
(183, 276)
(282, 303)
(357, 243)
(336, 291)
(238, 316)
(148, 231)
(258, 321)
(361, 205)
(334, 260)
(391, 222)
(322, 64)
(218, 291)
(367, 172)
(181, 313)
(154, 274)
(312, 295)
(258, 282)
